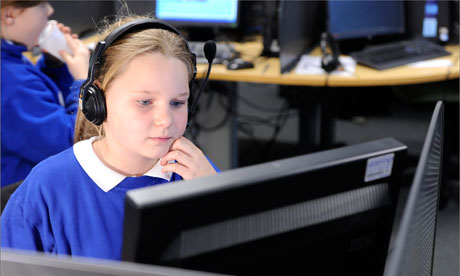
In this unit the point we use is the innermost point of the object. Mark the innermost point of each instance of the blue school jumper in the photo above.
(71, 203)
(38, 110)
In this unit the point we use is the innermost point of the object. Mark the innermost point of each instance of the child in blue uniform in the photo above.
(73, 203)
(38, 102)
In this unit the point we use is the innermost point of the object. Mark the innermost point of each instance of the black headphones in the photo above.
(329, 60)
(92, 99)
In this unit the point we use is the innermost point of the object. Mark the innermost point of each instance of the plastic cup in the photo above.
(52, 40)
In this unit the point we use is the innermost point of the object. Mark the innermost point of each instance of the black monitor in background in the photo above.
(325, 213)
(414, 243)
(299, 28)
(362, 21)
(82, 16)
(29, 263)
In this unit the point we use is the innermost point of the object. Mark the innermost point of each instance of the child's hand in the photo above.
(78, 63)
(66, 30)
(191, 162)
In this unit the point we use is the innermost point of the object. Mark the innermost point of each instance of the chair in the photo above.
(7, 191)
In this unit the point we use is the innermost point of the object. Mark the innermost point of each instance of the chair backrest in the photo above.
(7, 191)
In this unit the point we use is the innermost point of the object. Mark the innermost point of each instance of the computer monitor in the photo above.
(299, 29)
(368, 18)
(201, 13)
(358, 22)
(325, 213)
(414, 243)
(28, 263)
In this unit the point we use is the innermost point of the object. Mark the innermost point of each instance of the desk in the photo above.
(267, 71)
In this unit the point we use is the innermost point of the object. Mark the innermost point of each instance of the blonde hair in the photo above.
(121, 52)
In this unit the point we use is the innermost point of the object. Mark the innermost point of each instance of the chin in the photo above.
(156, 153)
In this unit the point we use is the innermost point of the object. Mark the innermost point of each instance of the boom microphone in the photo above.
(210, 50)
(210, 54)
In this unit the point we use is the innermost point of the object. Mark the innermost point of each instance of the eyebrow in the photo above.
(186, 93)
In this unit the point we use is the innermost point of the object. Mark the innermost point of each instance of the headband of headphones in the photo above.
(92, 102)
(130, 27)
(328, 40)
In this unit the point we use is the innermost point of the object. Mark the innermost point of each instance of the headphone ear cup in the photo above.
(93, 105)
(329, 62)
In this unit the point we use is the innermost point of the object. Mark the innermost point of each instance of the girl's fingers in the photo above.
(178, 156)
(185, 145)
(178, 169)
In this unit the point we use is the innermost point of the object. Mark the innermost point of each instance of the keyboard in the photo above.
(399, 53)
(224, 51)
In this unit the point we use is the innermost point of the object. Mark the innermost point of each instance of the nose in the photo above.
(50, 9)
(162, 116)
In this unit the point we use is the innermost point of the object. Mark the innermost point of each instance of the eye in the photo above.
(177, 104)
(144, 102)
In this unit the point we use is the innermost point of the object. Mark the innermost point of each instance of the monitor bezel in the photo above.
(398, 260)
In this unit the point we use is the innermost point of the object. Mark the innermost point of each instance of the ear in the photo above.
(97, 83)
(9, 14)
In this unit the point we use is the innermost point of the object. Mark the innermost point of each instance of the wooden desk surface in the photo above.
(365, 76)
(267, 70)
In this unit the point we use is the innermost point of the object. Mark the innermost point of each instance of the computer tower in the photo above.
(429, 19)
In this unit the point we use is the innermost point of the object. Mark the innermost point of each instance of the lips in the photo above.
(162, 139)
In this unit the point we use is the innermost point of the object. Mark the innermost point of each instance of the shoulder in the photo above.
(52, 172)
(22, 80)
(18, 70)
(53, 167)
(43, 182)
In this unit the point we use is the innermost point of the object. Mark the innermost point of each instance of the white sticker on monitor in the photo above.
(379, 167)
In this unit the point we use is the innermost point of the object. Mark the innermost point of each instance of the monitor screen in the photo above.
(299, 30)
(324, 213)
(414, 243)
(365, 18)
(203, 13)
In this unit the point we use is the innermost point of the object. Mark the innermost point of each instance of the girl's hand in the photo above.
(78, 63)
(190, 160)
(66, 30)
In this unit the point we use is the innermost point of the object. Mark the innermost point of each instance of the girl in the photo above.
(38, 102)
(73, 203)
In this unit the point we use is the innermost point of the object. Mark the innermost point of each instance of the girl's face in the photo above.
(27, 24)
(147, 106)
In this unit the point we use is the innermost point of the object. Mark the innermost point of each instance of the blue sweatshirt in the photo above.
(73, 204)
(38, 110)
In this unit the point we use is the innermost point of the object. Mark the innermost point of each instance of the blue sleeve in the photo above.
(213, 165)
(22, 226)
(34, 124)
(60, 75)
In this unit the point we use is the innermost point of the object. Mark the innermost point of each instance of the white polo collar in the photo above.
(102, 175)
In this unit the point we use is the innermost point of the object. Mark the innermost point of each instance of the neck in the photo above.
(122, 161)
